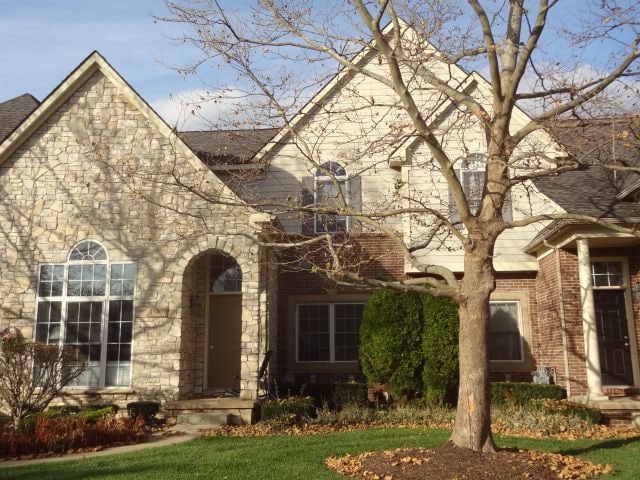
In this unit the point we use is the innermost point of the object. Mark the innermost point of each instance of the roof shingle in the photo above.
(228, 147)
(14, 111)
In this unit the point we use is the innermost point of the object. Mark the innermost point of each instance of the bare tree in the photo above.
(398, 80)
(32, 374)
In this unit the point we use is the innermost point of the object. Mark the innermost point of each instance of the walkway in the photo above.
(188, 432)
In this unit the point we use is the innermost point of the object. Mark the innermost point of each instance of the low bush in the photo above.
(296, 408)
(584, 412)
(320, 393)
(146, 409)
(65, 409)
(519, 394)
(59, 435)
(28, 423)
(350, 394)
(92, 415)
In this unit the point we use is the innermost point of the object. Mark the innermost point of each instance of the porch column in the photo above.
(592, 353)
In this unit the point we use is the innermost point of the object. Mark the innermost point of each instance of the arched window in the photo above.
(87, 303)
(226, 274)
(472, 178)
(331, 187)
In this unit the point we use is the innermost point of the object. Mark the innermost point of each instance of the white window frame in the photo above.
(473, 164)
(332, 331)
(330, 177)
(520, 330)
(105, 299)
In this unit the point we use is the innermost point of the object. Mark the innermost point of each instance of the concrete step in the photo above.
(203, 418)
(211, 411)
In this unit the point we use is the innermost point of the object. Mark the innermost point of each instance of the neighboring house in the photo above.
(108, 245)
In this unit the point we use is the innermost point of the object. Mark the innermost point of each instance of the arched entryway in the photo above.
(223, 327)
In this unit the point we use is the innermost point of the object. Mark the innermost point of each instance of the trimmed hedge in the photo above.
(440, 375)
(519, 394)
(350, 393)
(92, 415)
(571, 409)
(146, 409)
(391, 342)
(297, 407)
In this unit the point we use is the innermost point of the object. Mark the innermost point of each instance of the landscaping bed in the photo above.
(449, 462)
(63, 430)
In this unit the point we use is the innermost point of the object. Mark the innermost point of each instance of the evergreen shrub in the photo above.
(298, 408)
(146, 409)
(519, 394)
(350, 393)
(391, 342)
(440, 375)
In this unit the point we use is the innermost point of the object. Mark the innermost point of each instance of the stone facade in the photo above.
(100, 168)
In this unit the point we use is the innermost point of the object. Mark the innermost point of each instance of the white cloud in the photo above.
(203, 110)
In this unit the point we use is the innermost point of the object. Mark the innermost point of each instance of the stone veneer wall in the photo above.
(85, 174)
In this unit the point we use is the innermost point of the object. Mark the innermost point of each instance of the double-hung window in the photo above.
(88, 303)
(328, 332)
(505, 331)
(471, 175)
(331, 189)
(472, 179)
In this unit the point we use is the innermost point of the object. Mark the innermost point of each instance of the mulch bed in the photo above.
(452, 463)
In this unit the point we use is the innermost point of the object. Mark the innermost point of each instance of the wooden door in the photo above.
(225, 331)
(613, 337)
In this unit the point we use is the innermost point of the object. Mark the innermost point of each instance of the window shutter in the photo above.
(307, 198)
(355, 202)
(454, 217)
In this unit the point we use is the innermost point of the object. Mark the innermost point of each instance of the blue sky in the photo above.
(43, 40)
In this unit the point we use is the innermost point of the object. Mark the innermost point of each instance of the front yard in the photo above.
(296, 458)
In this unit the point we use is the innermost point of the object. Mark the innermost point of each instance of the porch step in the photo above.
(622, 391)
(618, 410)
(201, 418)
(211, 411)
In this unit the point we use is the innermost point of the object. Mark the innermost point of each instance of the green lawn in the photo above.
(296, 458)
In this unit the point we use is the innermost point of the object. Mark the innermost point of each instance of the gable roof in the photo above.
(89, 66)
(592, 189)
(14, 111)
(60, 94)
(224, 149)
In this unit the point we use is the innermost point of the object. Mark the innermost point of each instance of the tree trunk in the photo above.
(473, 416)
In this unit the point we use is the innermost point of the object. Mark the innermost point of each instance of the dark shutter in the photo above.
(307, 198)
(355, 202)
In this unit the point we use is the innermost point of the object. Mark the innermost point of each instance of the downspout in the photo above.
(563, 327)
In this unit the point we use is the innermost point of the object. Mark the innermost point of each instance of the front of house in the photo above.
(135, 245)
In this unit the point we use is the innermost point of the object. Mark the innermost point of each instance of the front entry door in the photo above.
(225, 331)
(613, 337)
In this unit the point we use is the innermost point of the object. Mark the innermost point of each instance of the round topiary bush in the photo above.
(440, 375)
(391, 342)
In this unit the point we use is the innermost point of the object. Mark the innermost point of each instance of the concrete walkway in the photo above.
(186, 433)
